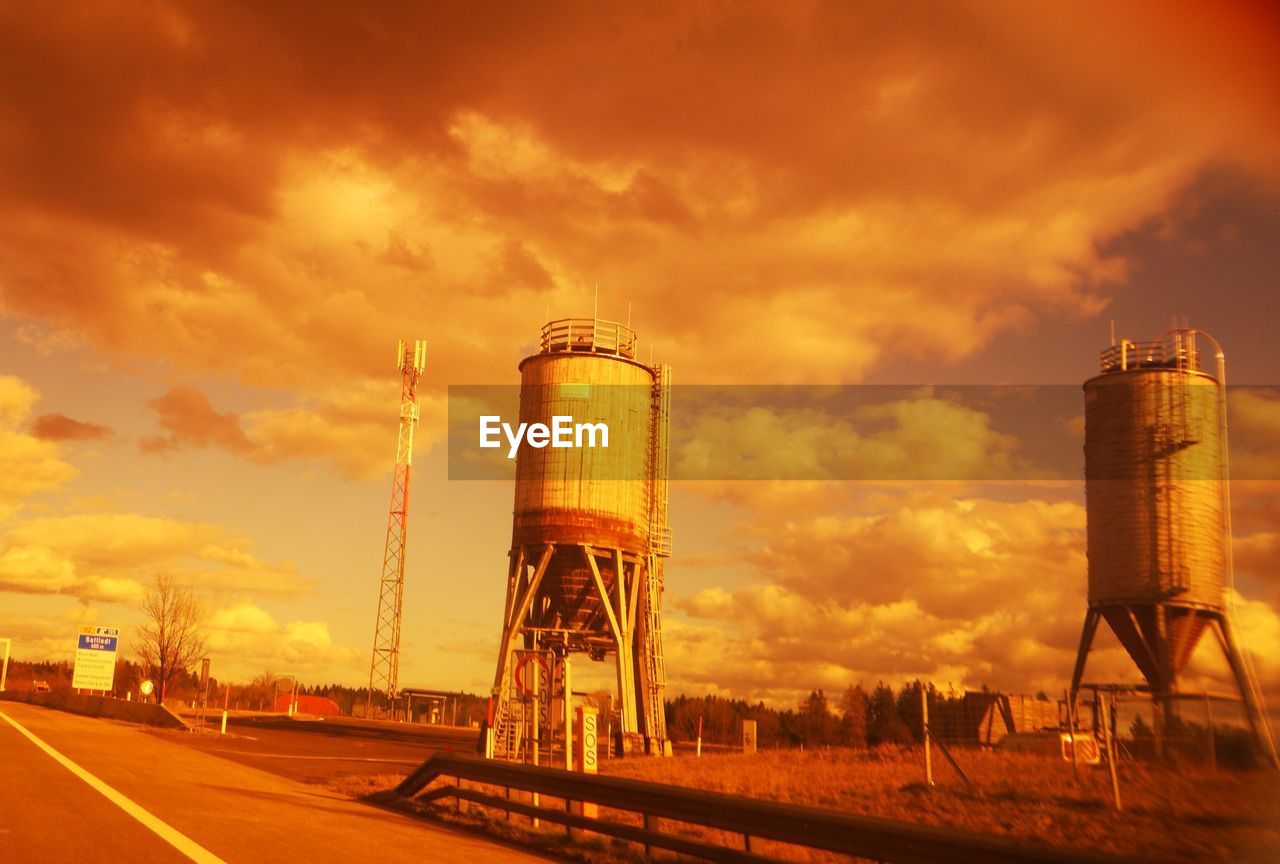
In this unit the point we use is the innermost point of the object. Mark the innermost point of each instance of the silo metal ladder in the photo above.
(508, 733)
(657, 665)
(1176, 426)
(659, 548)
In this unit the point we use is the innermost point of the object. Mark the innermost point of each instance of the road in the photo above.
(121, 793)
(315, 751)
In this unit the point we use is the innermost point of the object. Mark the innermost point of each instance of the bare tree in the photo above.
(172, 639)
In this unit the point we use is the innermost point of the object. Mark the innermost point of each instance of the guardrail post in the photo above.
(746, 842)
(650, 824)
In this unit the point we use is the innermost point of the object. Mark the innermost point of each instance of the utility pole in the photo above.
(384, 669)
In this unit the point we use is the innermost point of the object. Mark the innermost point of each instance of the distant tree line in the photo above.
(856, 719)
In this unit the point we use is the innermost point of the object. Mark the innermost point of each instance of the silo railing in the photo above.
(588, 335)
(1177, 350)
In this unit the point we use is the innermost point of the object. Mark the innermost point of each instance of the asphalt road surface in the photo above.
(317, 750)
(75, 789)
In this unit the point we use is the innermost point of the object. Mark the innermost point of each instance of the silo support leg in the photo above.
(633, 589)
(626, 686)
(1086, 644)
(1159, 676)
(520, 608)
(617, 618)
(610, 614)
(1253, 707)
(514, 576)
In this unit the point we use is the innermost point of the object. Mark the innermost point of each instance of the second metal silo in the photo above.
(1158, 512)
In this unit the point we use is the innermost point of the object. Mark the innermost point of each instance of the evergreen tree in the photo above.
(853, 717)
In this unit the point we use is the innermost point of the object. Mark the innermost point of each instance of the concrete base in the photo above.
(101, 706)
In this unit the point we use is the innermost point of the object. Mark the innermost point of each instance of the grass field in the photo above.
(1186, 815)
(1169, 814)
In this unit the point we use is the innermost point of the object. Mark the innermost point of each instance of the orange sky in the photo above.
(217, 219)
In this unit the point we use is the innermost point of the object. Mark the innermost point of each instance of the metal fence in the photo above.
(740, 817)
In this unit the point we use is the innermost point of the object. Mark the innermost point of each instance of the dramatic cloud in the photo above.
(60, 427)
(253, 202)
(836, 183)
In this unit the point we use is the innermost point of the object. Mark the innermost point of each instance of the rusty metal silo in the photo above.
(590, 524)
(1158, 511)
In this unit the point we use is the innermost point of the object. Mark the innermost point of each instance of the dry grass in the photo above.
(1175, 814)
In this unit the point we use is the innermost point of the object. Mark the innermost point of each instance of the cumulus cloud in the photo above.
(976, 590)
(49, 636)
(352, 429)
(1258, 627)
(969, 592)
(251, 639)
(920, 436)
(111, 557)
(28, 464)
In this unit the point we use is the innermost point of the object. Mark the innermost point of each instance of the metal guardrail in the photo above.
(859, 836)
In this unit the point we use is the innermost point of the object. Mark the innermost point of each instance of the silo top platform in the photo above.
(588, 336)
(1177, 350)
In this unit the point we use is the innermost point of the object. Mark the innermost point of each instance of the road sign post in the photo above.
(204, 695)
(96, 659)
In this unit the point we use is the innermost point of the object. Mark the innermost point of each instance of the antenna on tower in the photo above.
(595, 313)
(1113, 332)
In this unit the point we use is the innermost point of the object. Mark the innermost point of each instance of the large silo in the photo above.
(1158, 512)
(590, 527)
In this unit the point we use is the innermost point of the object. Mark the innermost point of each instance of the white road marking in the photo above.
(325, 758)
(165, 832)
